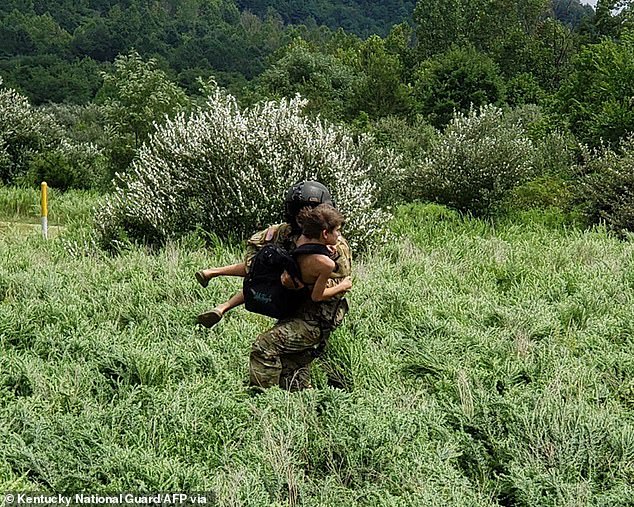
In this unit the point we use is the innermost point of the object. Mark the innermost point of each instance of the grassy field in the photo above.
(481, 364)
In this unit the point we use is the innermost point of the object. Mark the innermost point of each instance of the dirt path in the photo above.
(26, 228)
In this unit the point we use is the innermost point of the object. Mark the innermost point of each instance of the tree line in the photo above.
(54, 51)
(558, 75)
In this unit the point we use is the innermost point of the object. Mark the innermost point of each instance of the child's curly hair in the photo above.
(315, 220)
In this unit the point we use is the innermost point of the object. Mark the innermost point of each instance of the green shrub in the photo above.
(596, 99)
(80, 166)
(34, 147)
(477, 160)
(606, 188)
(79, 160)
(458, 80)
(81, 124)
(327, 82)
(406, 142)
(554, 159)
(22, 129)
(541, 192)
(226, 170)
(524, 89)
(137, 97)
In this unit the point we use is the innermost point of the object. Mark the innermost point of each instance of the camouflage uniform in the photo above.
(282, 355)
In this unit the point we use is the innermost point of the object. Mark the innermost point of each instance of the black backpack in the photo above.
(262, 287)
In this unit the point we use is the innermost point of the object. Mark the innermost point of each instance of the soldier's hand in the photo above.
(287, 281)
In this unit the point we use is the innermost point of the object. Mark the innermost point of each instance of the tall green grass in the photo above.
(481, 364)
(23, 204)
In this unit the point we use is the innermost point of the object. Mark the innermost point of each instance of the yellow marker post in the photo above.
(44, 210)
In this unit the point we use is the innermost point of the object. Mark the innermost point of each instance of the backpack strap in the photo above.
(311, 248)
(314, 248)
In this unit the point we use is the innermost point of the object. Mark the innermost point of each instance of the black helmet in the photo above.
(302, 194)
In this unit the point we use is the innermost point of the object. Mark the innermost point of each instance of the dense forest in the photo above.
(362, 17)
(53, 51)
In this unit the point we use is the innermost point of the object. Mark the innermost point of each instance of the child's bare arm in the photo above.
(321, 293)
(344, 286)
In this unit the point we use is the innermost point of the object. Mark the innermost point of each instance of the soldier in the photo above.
(282, 355)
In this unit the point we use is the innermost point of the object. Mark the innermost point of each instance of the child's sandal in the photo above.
(201, 278)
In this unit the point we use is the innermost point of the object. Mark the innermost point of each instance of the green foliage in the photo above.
(407, 142)
(606, 187)
(34, 147)
(544, 54)
(80, 160)
(137, 97)
(456, 81)
(572, 12)
(442, 24)
(380, 91)
(542, 193)
(524, 89)
(478, 159)
(613, 17)
(192, 38)
(361, 17)
(80, 123)
(80, 166)
(26, 34)
(596, 100)
(345, 80)
(49, 78)
(23, 132)
(520, 36)
(51, 39)
(439, 25)
(554, 158)
(225, 170)
(326, 81)
(410, 139)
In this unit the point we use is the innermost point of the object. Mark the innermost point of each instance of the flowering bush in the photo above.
(33, 147)
(477, 160)
(606, 186)
(21, 133)
(226, 170)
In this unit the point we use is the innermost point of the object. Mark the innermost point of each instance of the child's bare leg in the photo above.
(205, 275)
(212, 317)
(231, 270)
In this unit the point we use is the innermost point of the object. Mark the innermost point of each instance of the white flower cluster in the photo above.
(20, 133)
(226, 170)
(479, 158)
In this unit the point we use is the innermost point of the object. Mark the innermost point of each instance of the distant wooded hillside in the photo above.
(54, 50)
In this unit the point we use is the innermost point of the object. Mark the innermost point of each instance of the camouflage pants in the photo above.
(282, 355)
